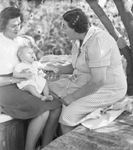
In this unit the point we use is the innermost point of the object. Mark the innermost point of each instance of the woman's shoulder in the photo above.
(2, 38)
(101, 35)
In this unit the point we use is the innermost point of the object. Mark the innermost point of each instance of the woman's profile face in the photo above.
(12, 28)
(68, 31)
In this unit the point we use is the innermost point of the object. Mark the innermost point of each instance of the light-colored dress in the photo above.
(99, 49)
(38, 80)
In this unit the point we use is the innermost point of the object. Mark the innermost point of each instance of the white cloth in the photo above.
(38, 80)
(102, 117)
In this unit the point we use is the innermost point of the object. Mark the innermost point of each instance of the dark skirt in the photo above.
(22, 105)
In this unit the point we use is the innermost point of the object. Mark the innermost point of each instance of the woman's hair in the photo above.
(77, 20)
(7, 14)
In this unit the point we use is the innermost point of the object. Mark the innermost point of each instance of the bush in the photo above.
(43, 23)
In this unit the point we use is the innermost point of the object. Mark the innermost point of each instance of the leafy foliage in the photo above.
(43, 23)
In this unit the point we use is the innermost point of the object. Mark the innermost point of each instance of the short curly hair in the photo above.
(7, 14)
(77, 20)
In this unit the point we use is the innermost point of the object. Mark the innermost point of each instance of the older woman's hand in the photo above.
(68, 100)
(52, 76)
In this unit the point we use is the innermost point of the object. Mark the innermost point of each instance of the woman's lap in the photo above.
(22, 105)
(76, 111)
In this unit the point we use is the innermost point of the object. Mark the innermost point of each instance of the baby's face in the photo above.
(28, 55)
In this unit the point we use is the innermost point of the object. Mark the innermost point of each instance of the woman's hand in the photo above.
(4, 80)
(27, 74)
(53, 68)
(16, 80)
(51, 76)
(68, 99)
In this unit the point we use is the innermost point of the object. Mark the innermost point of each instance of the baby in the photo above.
(32, 71)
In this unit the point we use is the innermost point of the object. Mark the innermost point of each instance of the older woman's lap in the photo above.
(77, 111)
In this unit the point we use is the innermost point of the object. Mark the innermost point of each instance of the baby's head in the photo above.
(26, 54)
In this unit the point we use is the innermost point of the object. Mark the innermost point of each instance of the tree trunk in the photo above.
(127, 18)
(103, 17)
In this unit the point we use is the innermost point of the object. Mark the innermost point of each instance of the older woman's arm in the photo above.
(68, 69)
(62, 71)
(97, 81)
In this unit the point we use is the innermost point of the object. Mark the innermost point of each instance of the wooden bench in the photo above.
(12, 133)
(117, 136)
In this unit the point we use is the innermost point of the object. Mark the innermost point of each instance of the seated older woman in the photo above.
(98, 80)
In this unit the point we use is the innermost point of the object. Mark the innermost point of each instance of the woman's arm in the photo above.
(50, 67)
(97, 81)
(19, 74)
(23, 74)
(68, 69)
(9, 80)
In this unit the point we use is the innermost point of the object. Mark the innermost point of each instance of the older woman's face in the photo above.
(69, 31)
(12, 28)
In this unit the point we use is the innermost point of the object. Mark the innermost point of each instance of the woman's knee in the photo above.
(45, 115)
(55, 113)
(65, 129)
(72, 118)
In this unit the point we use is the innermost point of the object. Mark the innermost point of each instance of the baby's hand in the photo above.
(43, 98)
(50, 97)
